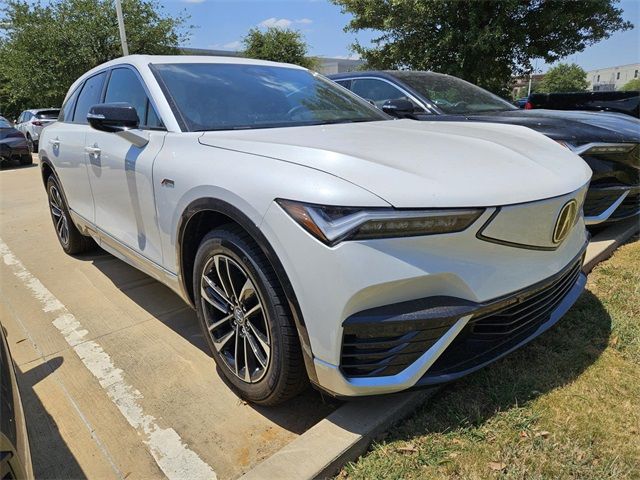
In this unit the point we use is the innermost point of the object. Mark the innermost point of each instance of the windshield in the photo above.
(453, 95)
(214, 96)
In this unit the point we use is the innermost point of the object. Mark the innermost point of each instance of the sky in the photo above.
(221, 24)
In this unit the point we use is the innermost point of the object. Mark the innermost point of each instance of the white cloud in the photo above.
(276, 22)
(283, 22)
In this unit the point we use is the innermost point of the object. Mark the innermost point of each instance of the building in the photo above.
(612, 78)
(326, 65)
(520, 85)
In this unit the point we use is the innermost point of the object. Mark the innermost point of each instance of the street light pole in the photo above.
(123, 35)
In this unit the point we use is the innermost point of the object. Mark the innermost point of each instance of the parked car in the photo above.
(521, 102)
(315, 236)
(618, 102)
(608, 142)
(13, 145)
(31, 123)
(15, 456)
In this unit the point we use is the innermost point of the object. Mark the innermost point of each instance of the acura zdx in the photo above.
(316, 237)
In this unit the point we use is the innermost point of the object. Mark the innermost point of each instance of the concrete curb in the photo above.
(603, 244)
(341, 437)
(347, 432)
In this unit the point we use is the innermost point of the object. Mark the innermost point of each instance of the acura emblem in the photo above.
(566, 218)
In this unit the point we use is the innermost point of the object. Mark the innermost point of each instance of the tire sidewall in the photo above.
(52, 182)
(224, 242)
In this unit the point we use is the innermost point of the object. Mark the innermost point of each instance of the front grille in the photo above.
(598, 201)
(492, 333)
(630, 206)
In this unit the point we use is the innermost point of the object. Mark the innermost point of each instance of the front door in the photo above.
(121, 174)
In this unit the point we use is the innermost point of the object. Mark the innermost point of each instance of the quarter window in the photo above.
(89, 96)
(376, 91)
(124, 86)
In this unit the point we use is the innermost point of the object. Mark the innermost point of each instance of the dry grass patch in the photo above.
(566, 406)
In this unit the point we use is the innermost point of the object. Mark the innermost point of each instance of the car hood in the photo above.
(573, 126)
(423, 164)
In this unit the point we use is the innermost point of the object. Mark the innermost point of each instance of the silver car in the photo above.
(31, 123)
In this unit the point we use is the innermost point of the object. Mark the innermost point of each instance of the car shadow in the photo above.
(14, 165)
(553, 360)
(296, 415)
(50, 455)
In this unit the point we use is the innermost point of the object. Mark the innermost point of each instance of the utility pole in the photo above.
(123, 35)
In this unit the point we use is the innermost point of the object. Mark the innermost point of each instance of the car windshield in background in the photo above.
(48, 114)
(4, 123)
(214, 96)
(453, 95)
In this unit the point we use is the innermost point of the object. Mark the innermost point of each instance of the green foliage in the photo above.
(631, 85)
(278, 45)
(564, 78)
(483, 42)
(45, 47)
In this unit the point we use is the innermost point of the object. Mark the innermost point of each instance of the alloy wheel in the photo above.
(59, 217)
(235, 318)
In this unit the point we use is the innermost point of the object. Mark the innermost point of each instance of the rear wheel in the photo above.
(69, 236)
(244, 317)
(30, 144)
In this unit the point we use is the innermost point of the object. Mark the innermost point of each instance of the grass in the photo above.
(566, 406)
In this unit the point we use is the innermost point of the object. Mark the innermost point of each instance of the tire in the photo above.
(35, 146)
(268, 377)
(70, 238)
(26, 159)
(31, 144)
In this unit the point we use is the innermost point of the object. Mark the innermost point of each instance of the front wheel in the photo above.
(70, 238)
(245, 319)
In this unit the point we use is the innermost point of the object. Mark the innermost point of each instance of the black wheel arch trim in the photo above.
(220, 206)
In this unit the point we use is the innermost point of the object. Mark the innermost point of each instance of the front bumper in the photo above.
(13, 148)
(611, 204)
(440, 339)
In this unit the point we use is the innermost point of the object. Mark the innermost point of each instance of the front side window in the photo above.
(124, 86)
(377, 91)
(215, 96)
(453, 95)
(89, 96)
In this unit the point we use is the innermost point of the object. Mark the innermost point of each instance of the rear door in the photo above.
(121, 174)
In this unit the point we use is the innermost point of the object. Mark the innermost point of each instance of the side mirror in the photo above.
(398, 108)
(113, 117)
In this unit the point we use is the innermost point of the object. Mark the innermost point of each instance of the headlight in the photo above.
(332, 225)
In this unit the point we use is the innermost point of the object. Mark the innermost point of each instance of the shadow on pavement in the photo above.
(50, 455)
(297, 415)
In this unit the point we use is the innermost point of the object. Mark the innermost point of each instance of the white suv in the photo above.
(316, 237)
(31, 123)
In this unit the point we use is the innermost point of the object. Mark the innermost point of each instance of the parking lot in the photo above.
(115, 376)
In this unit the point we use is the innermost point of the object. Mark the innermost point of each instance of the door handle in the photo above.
(92, 150)
(54, 143)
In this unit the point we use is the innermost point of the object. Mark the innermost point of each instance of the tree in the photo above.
(631, 85)
(44, 48)
(564, 78)
(484, 42)
(278, 45)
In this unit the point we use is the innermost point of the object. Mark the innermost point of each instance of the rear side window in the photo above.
(66, 114)
(124, 86)
(48, 114)
(344, 83)
(89, 96)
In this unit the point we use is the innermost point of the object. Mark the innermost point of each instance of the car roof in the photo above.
(386, 74)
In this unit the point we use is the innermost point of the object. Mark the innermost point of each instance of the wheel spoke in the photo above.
(216, 261)
(235, 355)
(213, 300)
(233, 289)
(256, 351)
(219, 344)
(247, 375)
(247, 291)
(253, 310)
(215, 325)
(216, 289)
(262, 339)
